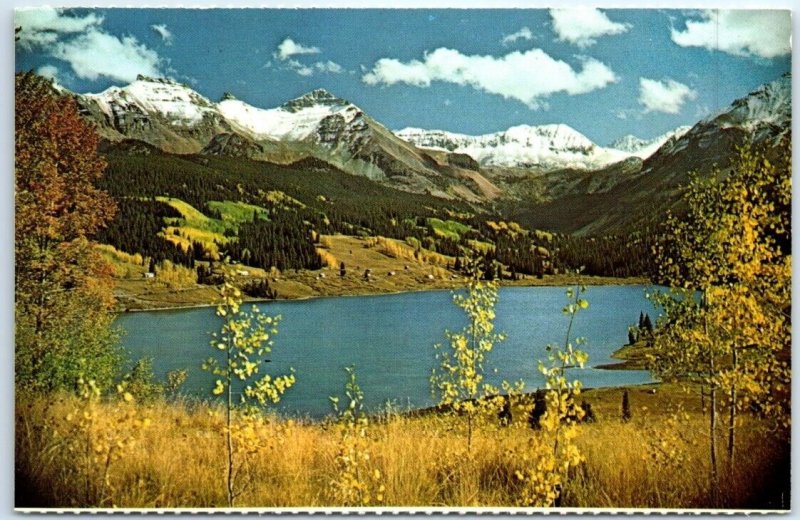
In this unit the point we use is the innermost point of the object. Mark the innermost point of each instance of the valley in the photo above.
(292, 192)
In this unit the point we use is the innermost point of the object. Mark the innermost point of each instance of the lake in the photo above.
(390, 338)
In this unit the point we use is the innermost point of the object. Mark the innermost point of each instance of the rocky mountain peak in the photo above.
(317, 97)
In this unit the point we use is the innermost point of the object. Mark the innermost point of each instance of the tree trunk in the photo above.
(732, 420)
(703, 399)
(228, 429)
(712, 398)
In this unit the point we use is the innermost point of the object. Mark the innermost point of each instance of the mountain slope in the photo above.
(761, 119)
(177, 119)
(161, 112)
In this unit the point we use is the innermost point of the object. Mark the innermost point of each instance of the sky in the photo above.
(604, 72)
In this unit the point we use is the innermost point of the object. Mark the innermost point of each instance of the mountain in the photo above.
(644, 148)
(175, 118)
(546, 147)
(540, 174)
(161, 112)
(761, 119)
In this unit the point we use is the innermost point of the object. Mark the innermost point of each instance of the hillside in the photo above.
(641, 197)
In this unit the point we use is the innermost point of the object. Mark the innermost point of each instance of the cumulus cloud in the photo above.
(328, 67)
(525, 76)
(523, 34)
(43, 26)
(582, 25)
(299, 68)
(762, 34)
(161, 30)
(664, 96)
(96, 53)
(289, 47)
(81, 42)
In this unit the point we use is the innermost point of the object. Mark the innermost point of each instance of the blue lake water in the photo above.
(390, 338)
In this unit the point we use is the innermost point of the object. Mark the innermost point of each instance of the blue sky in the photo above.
(606, 73)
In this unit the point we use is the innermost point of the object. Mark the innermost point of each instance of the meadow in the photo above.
(171, 454)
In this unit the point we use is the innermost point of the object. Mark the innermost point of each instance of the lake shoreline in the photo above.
(548, 281)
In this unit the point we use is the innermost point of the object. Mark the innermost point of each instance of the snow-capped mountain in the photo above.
(644, 148)
(295, 120)
(770, 105)
(161, 112)
(761, 119)
(177, 119)
(762, 116)
(546, 147)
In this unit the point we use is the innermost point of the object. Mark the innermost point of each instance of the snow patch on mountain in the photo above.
(167, 98)
(546, 146)
(769, 104)
(644, 148)
(278, 123)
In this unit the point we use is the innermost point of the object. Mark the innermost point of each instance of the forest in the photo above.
(309, 198)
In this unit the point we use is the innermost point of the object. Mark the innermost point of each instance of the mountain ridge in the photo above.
(527, 164)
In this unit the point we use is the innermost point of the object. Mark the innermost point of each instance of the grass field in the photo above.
(656, 460)
(448, 228)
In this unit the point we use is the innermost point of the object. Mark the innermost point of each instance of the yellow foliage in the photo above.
(174, 276)
(327, 257)
(120, 256)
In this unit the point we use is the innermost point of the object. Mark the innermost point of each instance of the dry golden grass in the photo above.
(179, 460)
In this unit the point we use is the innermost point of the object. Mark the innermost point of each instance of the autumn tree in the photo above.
(63, 286)
(459, 380)
(726, 321)
(245, 340)
(551, 453)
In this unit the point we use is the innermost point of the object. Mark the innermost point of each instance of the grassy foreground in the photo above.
(171, 454)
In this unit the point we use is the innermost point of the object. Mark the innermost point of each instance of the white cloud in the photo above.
(763, 34)
(48, 71)
(526, 76)
(299, 68)
(289, 47)
(161, 30)
(329, 67)
(89, 51)
(664, 96)
(581, 25)
(43, 26)
(96, 53)
(523, 34)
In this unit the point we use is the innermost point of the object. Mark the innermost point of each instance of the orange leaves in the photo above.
(57, 166)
